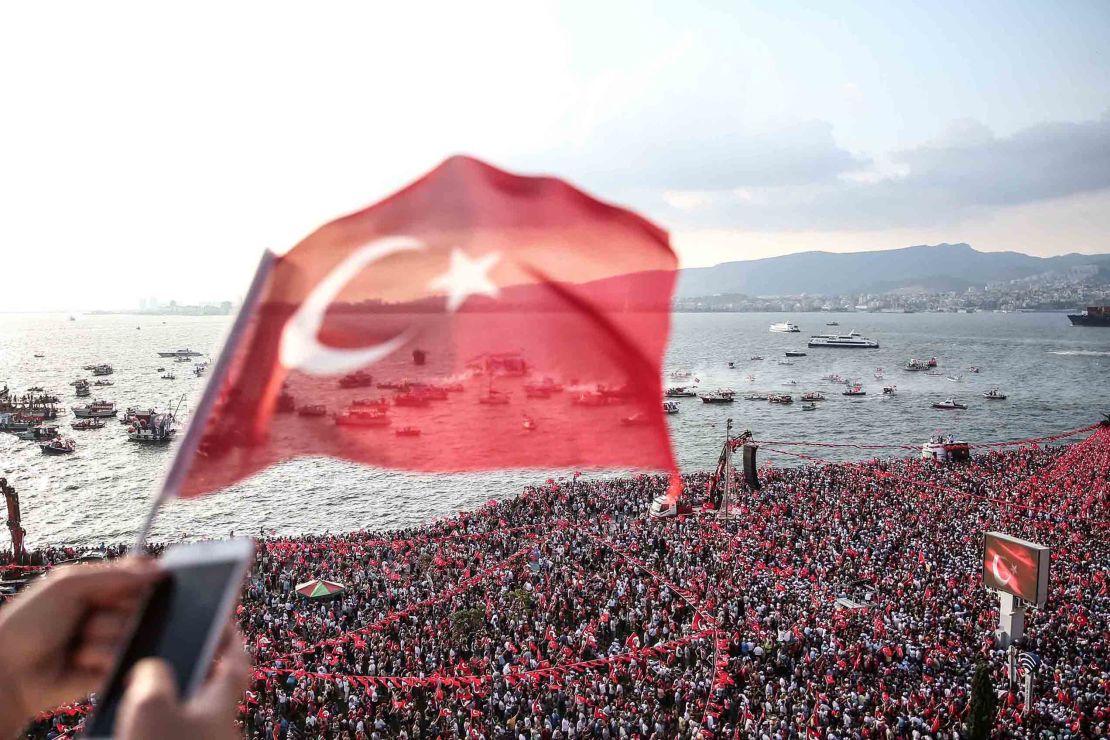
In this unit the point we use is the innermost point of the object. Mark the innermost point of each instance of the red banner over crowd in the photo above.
(474, 320)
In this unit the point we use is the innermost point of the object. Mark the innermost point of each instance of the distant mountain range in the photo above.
(924, 268)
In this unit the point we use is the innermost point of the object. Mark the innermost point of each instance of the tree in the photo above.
(981, 719)
(465, 622)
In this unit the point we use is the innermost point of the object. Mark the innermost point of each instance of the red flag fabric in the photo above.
(474, 320)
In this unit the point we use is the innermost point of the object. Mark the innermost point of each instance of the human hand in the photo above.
(151, 706)
(60, 637)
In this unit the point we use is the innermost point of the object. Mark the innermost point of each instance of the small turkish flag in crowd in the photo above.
(474, 320)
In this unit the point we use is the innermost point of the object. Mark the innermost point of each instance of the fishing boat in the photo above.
(670, 407)
(86, 424)
(949, 404)
(180, 353)
(913, 365)
(95, 410)
(717, 397)
(59, 446)
(38, 434)
(102, 369)
(813, 396)
(357, 379)
(152, 427)
(995, 395)
(313, 410)
(411, 400)
(781, 398)
(855, 390)
(680, 391)
(366, 418)
(785, 327)
(407, 432)
(381, 403)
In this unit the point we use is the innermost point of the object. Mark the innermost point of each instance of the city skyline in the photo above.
(139, 158)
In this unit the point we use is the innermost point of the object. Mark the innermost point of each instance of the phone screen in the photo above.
(175, 625)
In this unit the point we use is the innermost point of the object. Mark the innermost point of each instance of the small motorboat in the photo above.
(790, 382)
(89, 423)
(832, 323)
(38, 434)
(670, 407)
(878, 373)
(756, 397)
(809, 406)
(529, 424)
(357, 379)
(103, 383)
(795, 353)
(717, 397)
(781, 398)
(731, 365)
(169, 376)
(995, 395)
(681, 374)
(813, 396)
(35, 389)
(40, 356)
(381, 403)
(948, 403)
(314, 410)
(411, 400)
(680, 391)
(785, 362)
(161, 370)
(373, 418)
(755, 357)
(855, 390)
(973, 369)
(889, 390)
(59, 446)
(407, 432)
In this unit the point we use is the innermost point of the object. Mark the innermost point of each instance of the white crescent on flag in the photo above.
(300, 346)
(1009, 576)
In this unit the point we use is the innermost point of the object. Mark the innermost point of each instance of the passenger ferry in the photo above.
(785, 327)
(852, 340)
(95, 410)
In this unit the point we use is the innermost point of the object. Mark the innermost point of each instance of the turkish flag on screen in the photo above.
(474, 320)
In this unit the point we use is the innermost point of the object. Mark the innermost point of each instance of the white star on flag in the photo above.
(466, 277)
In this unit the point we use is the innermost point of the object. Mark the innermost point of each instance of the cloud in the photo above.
(965, 172)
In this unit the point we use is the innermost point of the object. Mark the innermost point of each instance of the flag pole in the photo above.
(171, 480)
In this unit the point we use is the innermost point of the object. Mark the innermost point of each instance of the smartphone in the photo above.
(181, 621)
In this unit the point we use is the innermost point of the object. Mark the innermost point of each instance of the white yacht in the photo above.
(852, 340)
(181, 353)
(784, 327)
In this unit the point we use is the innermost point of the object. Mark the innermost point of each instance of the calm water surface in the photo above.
(1055, 376)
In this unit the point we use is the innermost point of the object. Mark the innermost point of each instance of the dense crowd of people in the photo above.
(836, 601)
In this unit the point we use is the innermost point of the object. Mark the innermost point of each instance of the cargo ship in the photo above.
(1093, 316)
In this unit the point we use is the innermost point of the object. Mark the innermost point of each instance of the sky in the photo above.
(154, 150)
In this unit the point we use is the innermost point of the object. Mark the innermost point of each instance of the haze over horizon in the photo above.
(155, 152)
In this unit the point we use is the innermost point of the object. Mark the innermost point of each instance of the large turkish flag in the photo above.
(505, 321)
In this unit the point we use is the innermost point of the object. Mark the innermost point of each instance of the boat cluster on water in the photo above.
(34, 415)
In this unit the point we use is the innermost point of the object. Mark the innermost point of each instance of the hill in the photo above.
(923, 268)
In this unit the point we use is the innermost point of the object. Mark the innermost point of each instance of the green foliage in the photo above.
(981, 719)
(466, 622)
(519, 599)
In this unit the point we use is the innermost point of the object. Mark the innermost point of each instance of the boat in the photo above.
(381, 403)
(89, 423)
(169, 376)
(731, 365)
(948, 403)
(914, 366)
(394, 385)
(832, 323)
(35, 389)
(717, 397)
(103, 383)
(152, 427)
(785, 362)
(851, 340)
(681, 374)
(790, 382)
(411, 400)
(670, 407)
(889, 390)
(39, 356)
(313, 410)
(161, 369)
(934, 373)
(95, 410)
(406, 432)
(59, 446)
(813, 396)
(200, 369)
(680, 391)
(973, 369)
(285, 404)
(129, 414)
(879, 373)
(809, 406)
(1092, 316)
(855, 390)
(102, 369)
(750, 378)
(755, 358)
(795, 353)
(833, 378)
(529, 424)
(357, 379)
(38, 434)
(181, 353)
(182, 359)
(370, 418)
(945, 449)
(955, 378)
(756, 397)
(494, 398)
(781, 398)
(785, 327)
(995, 395)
